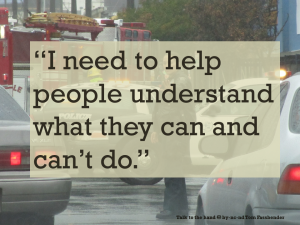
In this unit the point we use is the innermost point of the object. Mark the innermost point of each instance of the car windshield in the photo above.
(226, 88)
(9, 108)
(125, 104)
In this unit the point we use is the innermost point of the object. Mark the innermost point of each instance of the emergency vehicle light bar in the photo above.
(113, 23)
(107, 22)
(136, 25)
(110, 23)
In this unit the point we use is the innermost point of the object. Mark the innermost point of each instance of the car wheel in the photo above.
(199, 213)
(148, 165)
(141, 181)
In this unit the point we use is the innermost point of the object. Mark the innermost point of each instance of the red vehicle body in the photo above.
(21, 43)
(15, 50)
(124, 31)
(6, 51)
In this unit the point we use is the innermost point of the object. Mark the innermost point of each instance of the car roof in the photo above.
(253, 81)
(241, 83)
(296, 74)
(295, 79)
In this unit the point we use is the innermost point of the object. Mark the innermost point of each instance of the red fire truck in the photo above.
(6, 66)
(15, 44)
(15, 49)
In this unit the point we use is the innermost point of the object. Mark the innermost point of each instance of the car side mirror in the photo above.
(213, 110)
(241, 120)
(217, 146)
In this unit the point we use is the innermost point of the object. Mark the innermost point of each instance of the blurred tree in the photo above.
(167, 19)
(234, 20)
(207, 20)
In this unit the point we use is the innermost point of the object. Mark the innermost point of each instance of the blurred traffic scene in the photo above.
(25, 200)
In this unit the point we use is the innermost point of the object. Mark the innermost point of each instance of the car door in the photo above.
(226, 196)
(216, 200)
(241, 190)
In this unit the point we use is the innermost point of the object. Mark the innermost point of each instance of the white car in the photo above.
(249, 201)
(228, 112)
(125, 111)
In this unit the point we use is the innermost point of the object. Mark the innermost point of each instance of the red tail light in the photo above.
(289, 182)
(220, 180)
(289, 73)
(5, 76)
(15, 158)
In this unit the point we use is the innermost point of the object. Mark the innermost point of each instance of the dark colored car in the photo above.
(24, 200)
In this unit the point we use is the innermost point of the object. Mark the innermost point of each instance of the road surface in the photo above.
(110, 201)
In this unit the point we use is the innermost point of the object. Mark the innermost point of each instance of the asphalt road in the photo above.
(110, 201)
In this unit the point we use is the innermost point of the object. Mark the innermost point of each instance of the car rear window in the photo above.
(284, 89)
(10, 109)
(295, 114)
(267, 122)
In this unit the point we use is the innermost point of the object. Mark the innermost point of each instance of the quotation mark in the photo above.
(37, 54)
(146, 153)
(140, 154)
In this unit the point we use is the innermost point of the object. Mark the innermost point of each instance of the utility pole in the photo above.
(52, 5)
(60, 5)
(38, 6)
(25, 9)
(130, 4)
(88, 8)
(74, 6)
(15, 9)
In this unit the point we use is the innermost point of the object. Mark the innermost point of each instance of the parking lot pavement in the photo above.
(110, 201)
